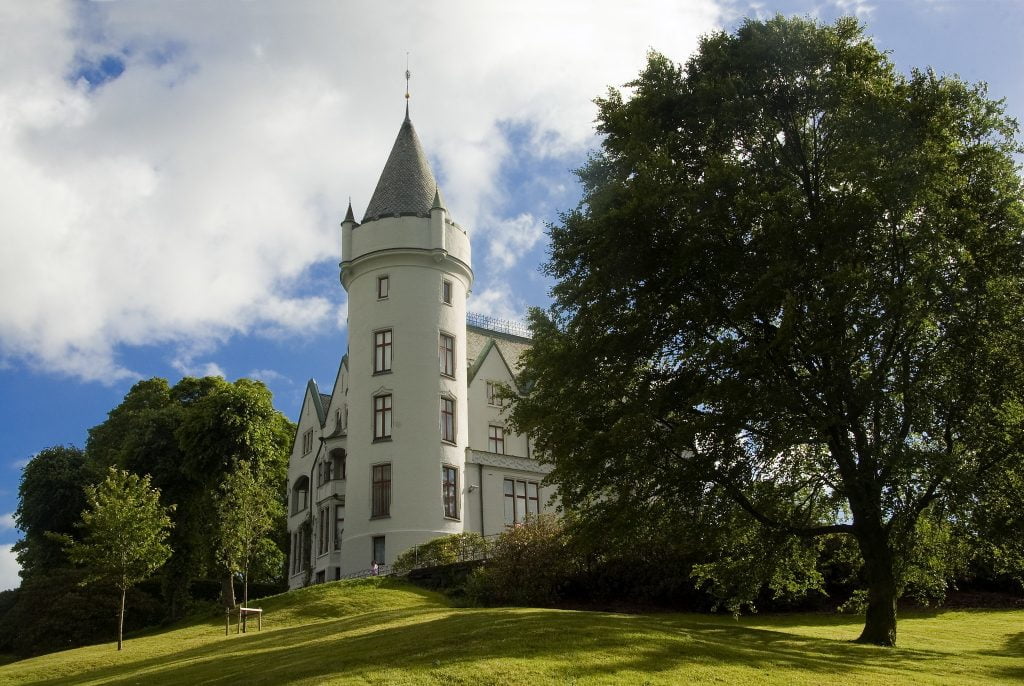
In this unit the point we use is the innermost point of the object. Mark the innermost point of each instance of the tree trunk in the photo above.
(880, 619)
(227, 588)
(120, 622)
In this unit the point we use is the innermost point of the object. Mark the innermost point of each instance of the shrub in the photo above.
(442, 551)
(527, 565)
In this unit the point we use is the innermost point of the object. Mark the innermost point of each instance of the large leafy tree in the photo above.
(189, 437)
(795, 279)
(125, 531)
(51, 496)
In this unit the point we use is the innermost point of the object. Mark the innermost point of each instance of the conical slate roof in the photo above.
(406, 185)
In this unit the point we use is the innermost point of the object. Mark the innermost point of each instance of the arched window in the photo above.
(300, 494)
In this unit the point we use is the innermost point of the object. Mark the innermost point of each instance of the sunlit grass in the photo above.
(384, 632)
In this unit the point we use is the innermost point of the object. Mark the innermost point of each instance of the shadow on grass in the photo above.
(440, 644)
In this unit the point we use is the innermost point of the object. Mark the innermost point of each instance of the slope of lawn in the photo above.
(382, 631)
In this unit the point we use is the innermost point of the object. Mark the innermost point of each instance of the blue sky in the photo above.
(172, 175)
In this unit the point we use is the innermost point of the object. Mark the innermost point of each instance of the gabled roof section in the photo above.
(314, 393)
(407, 185)
(479, 362)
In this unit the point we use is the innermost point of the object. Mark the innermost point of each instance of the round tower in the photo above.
(407, 270)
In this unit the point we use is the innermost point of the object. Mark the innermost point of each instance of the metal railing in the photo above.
(430, 554)
(509, 326)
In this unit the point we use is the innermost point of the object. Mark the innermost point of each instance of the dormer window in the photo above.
(383, 287)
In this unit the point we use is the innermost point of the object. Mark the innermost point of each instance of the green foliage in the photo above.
(795, 278)
(246, 511)
(125, 531)
(189, 437)
(444, 550)
(51, 497)
(526, 565)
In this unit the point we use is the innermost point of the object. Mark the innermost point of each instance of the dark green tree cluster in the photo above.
(794, 287)
(215, 452)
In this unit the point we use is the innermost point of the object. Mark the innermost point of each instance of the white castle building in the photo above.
(411, 443)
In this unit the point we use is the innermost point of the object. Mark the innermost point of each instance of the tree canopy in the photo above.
(51, 496)
(125, 534)
(189, 437)
(795, 279)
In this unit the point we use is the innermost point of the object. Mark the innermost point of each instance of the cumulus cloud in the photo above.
(7, 522)
(498, 301)
(511, 238)
(9, 568)
(171, 170)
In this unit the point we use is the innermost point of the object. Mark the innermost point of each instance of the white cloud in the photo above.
(184, 199)
(268, 376)
(497, 301)
(862, 9)
(510, 239)
(7, 522)
(9, 568)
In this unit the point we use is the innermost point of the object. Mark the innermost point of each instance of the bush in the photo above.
(527, 565)
(445, 550)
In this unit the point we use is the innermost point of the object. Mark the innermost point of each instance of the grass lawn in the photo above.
(382, 631)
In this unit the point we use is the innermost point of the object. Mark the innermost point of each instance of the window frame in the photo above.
(383, 416)
(447, 291)
(494, 398)
(307, 442)
(380, 490)
(521, 507)
(383, 350)
(450, 491)
(446, 354)
(339, 525)
(448, 428)
(385, 281)
(496, 439)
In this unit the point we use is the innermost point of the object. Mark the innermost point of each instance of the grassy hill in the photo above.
(382, 631)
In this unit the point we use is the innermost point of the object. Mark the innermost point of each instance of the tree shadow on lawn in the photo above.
(443, 644)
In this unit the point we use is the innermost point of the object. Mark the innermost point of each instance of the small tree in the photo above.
(125, 529)
(247, 508)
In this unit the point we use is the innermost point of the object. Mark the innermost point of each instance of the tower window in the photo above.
(450, 491)
(446, 354)
(382, 417)
(383, 287)
(448, 420)
(381, 490)
(446, 292)
(496, 439)
(382, 351)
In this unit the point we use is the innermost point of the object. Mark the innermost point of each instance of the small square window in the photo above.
(446, 292)
(383, 287)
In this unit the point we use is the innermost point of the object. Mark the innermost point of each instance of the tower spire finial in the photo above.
(408, 74)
